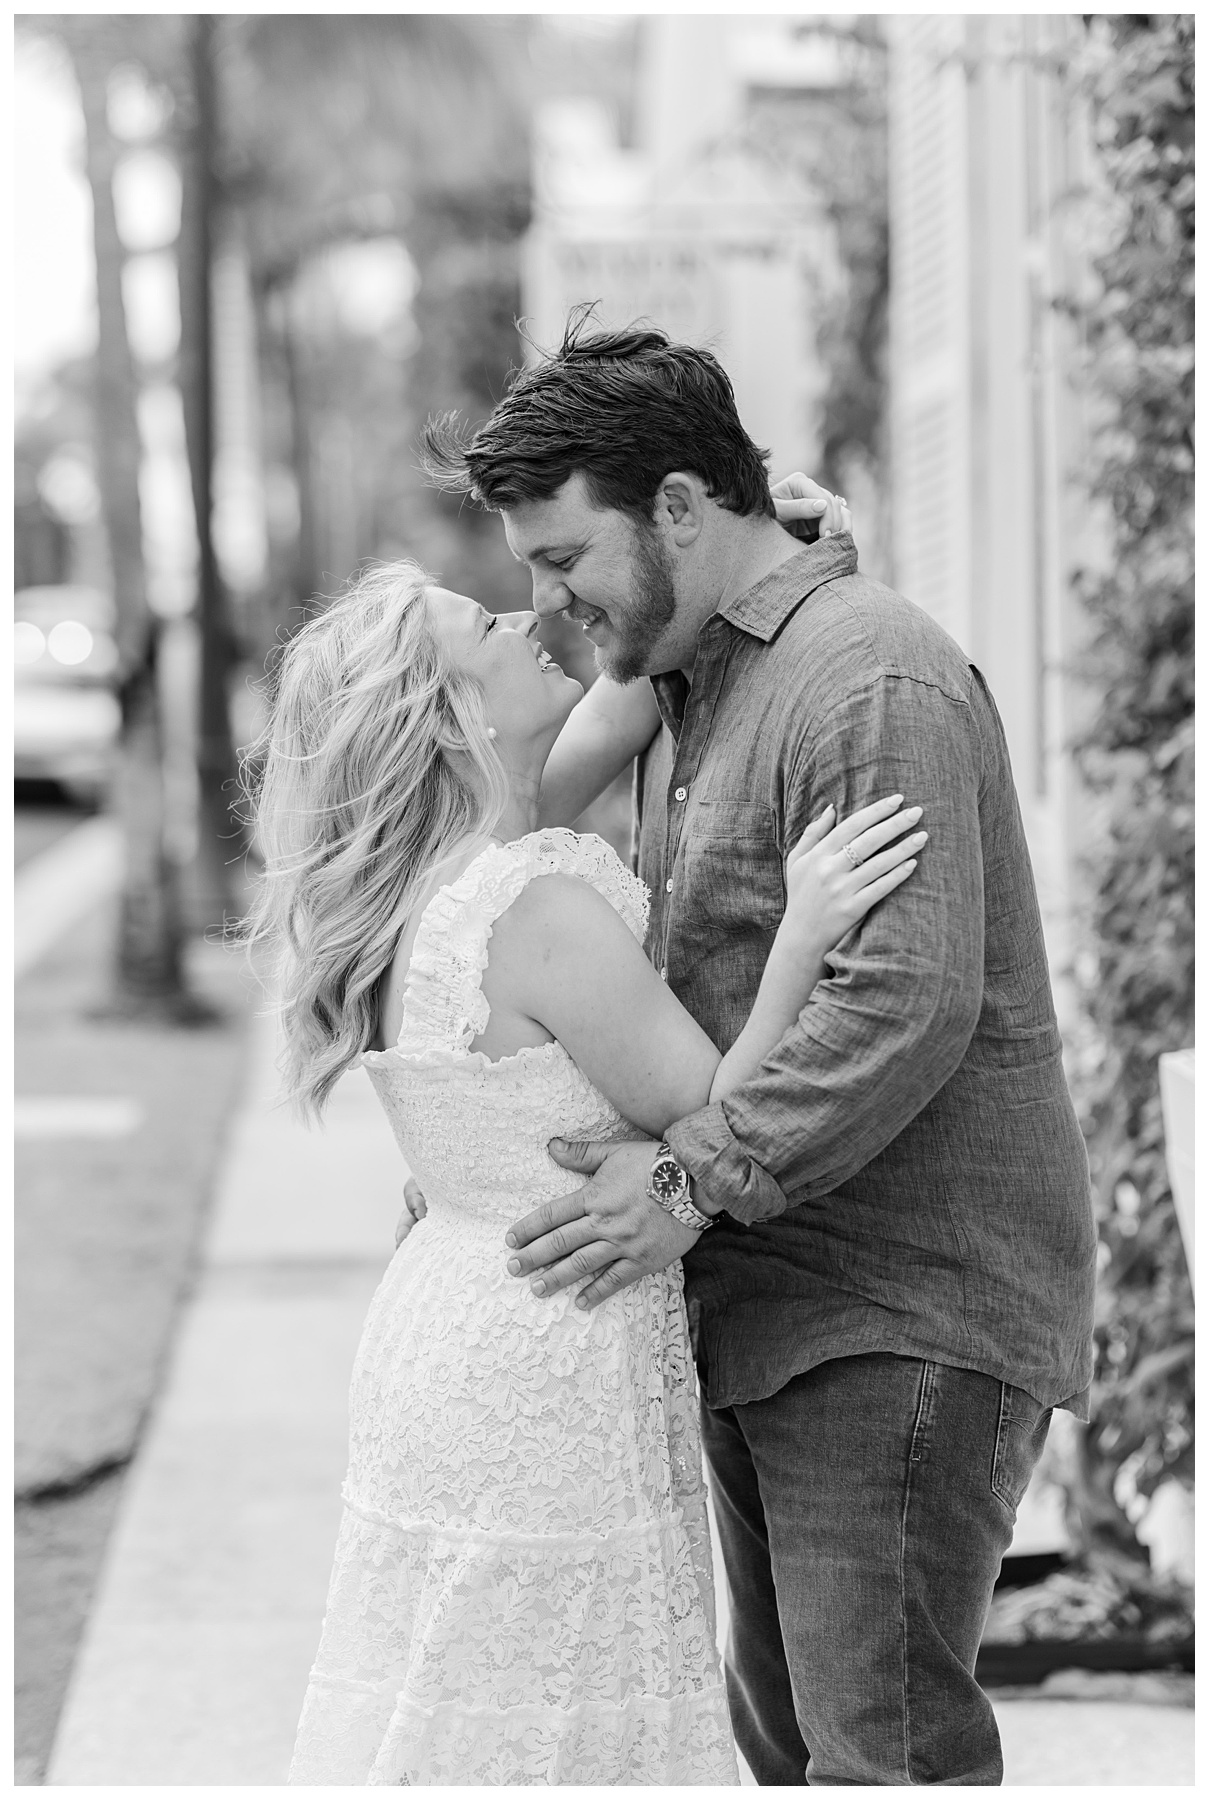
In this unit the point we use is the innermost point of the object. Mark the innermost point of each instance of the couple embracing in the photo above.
(788, 1103)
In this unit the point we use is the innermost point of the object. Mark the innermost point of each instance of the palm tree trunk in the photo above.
(220, 836)
(307, 578)
(148, 974)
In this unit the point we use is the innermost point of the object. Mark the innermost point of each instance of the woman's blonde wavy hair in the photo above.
(375, 768)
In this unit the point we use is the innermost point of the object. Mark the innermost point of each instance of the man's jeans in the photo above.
(863, 1511)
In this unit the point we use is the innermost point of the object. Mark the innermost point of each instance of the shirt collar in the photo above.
(762, 610)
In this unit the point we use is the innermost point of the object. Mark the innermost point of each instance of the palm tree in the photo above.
(346, 127)
(148, 974)
(220, 831)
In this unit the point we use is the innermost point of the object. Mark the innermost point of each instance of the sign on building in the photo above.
(718, 255)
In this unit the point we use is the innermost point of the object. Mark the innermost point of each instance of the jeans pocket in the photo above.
(1019, 1441)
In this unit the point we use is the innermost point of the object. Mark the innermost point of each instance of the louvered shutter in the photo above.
(929, 318)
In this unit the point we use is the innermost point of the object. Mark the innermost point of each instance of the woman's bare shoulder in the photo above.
(393, 981)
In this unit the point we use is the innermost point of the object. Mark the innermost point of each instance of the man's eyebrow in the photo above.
(572, 547)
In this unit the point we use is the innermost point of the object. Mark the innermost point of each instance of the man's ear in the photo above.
(680, 507)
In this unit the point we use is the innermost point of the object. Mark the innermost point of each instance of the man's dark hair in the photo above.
(624, 408)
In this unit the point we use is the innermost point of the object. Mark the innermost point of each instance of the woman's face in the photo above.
(528, 696)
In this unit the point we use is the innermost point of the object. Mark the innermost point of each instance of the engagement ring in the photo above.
(852, 856)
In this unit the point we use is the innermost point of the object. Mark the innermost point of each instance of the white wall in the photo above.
(689, 229)
(985, 426)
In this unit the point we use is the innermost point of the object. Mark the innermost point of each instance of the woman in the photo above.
(522, 1589)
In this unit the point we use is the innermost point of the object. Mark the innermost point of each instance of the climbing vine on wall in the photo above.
(1136, 72)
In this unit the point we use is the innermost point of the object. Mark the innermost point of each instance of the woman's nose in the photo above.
(524, 622)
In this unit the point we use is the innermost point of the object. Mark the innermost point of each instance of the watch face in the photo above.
(668, 1179)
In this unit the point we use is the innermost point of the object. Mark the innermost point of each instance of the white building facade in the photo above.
(688, 227)
(987, 162)
(691, 228)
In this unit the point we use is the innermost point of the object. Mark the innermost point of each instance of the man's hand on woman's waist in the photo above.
(609, 1231)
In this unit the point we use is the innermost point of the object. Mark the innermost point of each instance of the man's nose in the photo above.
(524, 622)
(551, 595)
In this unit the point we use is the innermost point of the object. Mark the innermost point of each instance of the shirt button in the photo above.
(682, 793)
(669, 884)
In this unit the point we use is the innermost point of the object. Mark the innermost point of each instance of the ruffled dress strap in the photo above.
(443, 1004)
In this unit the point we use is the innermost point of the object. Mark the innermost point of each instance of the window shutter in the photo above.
(929, 318)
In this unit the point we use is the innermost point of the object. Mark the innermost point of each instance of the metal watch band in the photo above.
(677, 1206)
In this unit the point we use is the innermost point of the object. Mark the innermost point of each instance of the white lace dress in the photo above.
(522, 1591)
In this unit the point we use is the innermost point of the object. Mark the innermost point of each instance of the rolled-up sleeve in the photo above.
(891, 1022)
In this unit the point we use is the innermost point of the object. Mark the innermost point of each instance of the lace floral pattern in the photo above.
(522, 1591)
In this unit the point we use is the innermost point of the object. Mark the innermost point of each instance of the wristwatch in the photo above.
(669, 1187)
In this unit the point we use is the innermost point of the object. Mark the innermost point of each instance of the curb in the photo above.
(63, 885)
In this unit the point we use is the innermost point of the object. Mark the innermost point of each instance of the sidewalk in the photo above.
(206, 1621)
(119, 1127)
(207, 1616)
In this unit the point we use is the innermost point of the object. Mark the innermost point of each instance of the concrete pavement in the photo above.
(119, 1127)
(207, 1617)
(194, 1664)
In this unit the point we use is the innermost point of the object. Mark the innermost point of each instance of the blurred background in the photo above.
(947, 261)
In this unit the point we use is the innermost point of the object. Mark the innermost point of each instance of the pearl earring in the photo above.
(491, 731)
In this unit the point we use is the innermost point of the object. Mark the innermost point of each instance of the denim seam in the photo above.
(1001, 1431)
(923, 1419)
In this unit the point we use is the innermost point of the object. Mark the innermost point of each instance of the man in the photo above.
(887, 1234)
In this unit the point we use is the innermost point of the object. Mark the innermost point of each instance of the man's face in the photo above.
(603, 569)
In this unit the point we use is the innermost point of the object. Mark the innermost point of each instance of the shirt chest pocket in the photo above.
(732, 875)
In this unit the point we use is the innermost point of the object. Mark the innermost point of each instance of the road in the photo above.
(39, 824)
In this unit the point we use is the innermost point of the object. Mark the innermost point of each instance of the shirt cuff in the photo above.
(725, 1176)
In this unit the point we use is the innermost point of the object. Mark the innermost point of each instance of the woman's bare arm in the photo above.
(827, 893)
(562, 956)
(564, 962)
(607, 730)
(613, 724)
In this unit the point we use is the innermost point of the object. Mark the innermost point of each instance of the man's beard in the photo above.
(648, 612)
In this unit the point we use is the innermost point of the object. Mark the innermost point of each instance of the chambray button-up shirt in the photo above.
(905, 1172)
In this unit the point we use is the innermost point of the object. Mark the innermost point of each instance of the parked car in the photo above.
(65, 715)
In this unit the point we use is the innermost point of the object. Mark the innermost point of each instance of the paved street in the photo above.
(37, 826)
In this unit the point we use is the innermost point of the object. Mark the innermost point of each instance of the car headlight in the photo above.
(28, 643)
(70, 642)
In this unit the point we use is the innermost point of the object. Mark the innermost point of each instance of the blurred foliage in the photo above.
(1087, 1606)
(404, 129)
(147, 975)
(850, 173)
(834, 139)
(403, 137)
(56, 418)
(411, 129)
(1136, 756)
